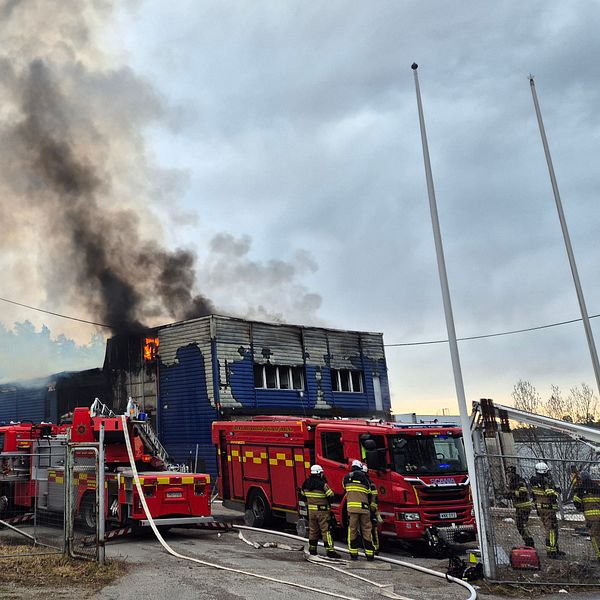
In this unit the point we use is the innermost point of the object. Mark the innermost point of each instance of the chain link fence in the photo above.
(32, 499)
(523, 510)
(82, 503)
(49, 500)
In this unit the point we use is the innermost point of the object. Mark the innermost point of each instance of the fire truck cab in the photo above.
(420, 471)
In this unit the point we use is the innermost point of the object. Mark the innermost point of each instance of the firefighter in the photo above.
(587, 500)
(374, 511)
(545, 499)
(519, 494)
(318, 497)
(358, 503)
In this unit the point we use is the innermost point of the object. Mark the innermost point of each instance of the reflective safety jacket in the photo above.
(587, 499)
(544, 493)
(317, 493)
(374, 496)
(519, 493)
(358, 492)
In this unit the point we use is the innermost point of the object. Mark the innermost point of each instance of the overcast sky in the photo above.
(289, 132)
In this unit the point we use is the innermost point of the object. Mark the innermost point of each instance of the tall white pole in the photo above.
(563, 224)
(458, 379)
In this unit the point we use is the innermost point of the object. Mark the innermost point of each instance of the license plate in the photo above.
(177, 495)
(448, 515)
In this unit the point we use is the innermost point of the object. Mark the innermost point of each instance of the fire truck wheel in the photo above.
(258, 511)
(87, 512)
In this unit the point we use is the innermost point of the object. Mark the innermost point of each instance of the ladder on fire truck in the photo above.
(143, 427)
(150, 439)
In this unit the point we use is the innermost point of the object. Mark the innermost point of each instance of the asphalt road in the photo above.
(156, 574)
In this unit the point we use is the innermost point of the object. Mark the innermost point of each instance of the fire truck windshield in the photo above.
(427, 455)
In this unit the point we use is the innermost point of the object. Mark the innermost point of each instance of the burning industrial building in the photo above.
(188, 374)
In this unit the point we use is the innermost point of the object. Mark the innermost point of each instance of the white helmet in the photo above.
(541, 468)
(316, 470)
(357, 464)
(365, 468)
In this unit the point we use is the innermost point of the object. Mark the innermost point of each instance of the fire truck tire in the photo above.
(87, 512)
(258, 511)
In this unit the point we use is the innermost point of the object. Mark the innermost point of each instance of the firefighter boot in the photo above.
(333, 554)
(312, 547)
(369, 551)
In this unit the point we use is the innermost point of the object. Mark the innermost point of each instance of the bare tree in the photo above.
(584, 403)
(526, 397)
(563, 453)
(557, 407)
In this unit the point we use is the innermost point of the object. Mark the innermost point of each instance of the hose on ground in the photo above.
(170, 550)
(393, 561)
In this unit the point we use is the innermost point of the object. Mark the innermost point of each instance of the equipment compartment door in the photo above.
(283, 481)
(234, 458)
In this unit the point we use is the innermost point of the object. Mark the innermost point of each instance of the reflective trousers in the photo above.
(360, 525)
(318, 526)
(594, 527)
(522, 518)
(550, 522)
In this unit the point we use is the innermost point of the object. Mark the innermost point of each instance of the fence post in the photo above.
(101, 498)
(69, 515)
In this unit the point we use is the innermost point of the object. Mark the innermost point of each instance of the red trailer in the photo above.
(420, 471)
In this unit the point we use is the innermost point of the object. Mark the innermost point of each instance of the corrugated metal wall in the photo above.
(233, 355)
(240, 344)
(187, 405)
(186, 413)
(22, 403)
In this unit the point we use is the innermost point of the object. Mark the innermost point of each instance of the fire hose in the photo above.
(170, 550)
(159, 537)
(392, 561)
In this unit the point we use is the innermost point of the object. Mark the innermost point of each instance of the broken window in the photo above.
(346, 380)
(298, 378)
(284, 378)
(278, 377)
(259, 372)
(271, 376)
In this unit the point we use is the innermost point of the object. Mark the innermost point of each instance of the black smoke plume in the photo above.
(66, 140)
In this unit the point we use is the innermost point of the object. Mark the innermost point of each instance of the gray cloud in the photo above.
(297, 125)
(308, 115)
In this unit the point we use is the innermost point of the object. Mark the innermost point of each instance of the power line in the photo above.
(54, 314)
(425, 343)
(490, 335)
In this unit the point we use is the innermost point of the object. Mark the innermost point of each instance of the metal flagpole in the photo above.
(563, 224)
(458, 380)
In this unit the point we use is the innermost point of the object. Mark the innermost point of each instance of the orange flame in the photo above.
(151, 348)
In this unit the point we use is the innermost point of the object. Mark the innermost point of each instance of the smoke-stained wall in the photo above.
(211, 368)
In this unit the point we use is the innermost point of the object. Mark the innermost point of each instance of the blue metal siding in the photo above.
(186, 414)
(8, 404)
(240, 377)
(31, 404)
(20, 403)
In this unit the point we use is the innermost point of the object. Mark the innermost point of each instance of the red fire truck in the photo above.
(32, 472)
(420, 471)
